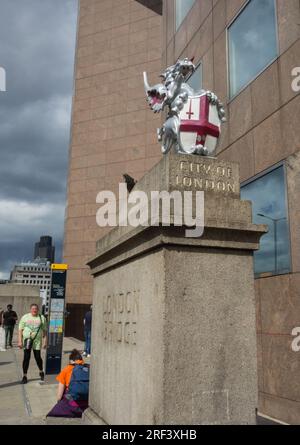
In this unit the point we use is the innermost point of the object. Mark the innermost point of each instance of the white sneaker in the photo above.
(84, 354)
(88, 356)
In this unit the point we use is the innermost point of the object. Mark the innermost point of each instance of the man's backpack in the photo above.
(79, 384)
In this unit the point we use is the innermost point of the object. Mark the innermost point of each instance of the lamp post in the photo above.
(275, 221)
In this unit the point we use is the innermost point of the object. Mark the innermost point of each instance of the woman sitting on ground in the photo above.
(73, 388)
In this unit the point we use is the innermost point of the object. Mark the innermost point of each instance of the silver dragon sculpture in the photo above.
(173, 93)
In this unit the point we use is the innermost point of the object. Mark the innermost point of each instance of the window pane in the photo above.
(182, 8)
(252, 43)
(195, 81)
(269, 207)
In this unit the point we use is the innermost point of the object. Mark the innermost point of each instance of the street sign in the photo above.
(56, 318)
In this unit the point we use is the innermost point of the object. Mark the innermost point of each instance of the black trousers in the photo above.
(26, 360)
(9, 333)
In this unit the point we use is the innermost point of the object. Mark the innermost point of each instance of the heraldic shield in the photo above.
(194, 118)
(200, 126)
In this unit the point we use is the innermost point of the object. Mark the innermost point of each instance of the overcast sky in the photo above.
(37, 44)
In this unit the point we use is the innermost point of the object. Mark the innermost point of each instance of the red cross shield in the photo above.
(200, 124)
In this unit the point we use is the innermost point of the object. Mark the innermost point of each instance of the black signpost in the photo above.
(56, 318)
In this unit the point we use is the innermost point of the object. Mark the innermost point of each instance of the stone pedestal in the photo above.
(174, 338)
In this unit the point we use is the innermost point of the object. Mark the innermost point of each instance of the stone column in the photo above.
(174, 338)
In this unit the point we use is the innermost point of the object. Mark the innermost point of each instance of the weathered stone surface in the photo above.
(228, 221)
(174, 337)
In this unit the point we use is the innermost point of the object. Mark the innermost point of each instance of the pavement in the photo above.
(29, 404)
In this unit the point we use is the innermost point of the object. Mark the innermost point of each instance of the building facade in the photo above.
(45, 249)
(248, 53)
(112, 130)
(34, 273)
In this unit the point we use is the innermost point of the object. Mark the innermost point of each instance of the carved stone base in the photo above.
(174, 338)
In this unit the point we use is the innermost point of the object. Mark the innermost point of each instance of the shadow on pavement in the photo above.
(7, 385)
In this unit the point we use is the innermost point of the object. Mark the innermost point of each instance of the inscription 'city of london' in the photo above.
(120, 315)
(207, 177)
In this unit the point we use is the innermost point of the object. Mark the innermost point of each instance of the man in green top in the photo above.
(32, 326)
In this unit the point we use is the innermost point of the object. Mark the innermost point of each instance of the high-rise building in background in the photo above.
(45, 249)
(246, 51)
(37, 272)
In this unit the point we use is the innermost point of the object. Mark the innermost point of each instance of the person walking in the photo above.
(87, 322)
(9, 319)
(32, 336)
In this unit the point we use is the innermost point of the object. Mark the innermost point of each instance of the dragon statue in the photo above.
(181, 132)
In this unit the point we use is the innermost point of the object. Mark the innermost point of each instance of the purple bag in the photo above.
(67, 408)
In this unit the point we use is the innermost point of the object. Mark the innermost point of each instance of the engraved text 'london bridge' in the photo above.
(120, 314)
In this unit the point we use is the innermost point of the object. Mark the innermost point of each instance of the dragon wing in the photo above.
(155, 95)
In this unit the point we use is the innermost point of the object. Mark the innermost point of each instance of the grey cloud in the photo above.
(37, 42)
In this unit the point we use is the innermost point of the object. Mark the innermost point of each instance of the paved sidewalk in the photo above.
(28, 404)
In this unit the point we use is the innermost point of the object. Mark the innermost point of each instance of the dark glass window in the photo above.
(252, 43)
(195, 81)
(269, 206)
(182, 9)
